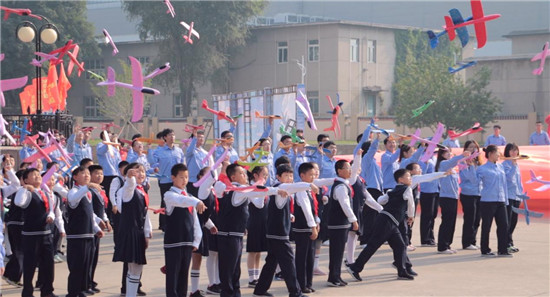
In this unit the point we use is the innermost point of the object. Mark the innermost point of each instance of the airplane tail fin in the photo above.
(187, 39)
(80, 68)
(415, 137)
(434, 40)
(257, 114)
(452, 70)
(538, 71)
(449, 27)
(204, 104)
(533, 177)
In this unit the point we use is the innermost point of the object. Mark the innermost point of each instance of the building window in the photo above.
(178, 105)
(354, 50)
(282, 52)
(313, 50)
(371, 105)
(91, 107)
(313, 99)
(371, 51)
(96, 66)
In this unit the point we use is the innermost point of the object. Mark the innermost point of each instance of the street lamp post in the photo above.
(48, 33)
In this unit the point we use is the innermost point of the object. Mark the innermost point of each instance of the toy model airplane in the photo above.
(260, 116)
(418, 111)
(109, 39)
(170, 10)
(461, 65)
(161, 210)
(462, 163)
(535, 178)
(40, 153)
(432, 144)
(213, 148)
(62, 51)
(219, 113)
(64, 156)
(462, 32)
(213, 167)
(46, 178)
(73, 61)
(10, 84)
(335, 124)
(250, 151)
(4, 131)
(525, 211)
(107, 126)
(303, 104)
(191, 32)
(542, 57)
(380, 130)
(150, 140)
(45, 57)
(158, 71)
(412, 137)
(478, 20)
(96, 76)
(475, 128)
(137, 87)
(22, 131)
(253, 164)
(292, 134)
(192, 128)
(19, 11)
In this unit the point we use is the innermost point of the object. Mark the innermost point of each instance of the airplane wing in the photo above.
(461, 31)
(195, 33)
(438, 133)
(71, 62)
(13, 83)
(543, 188)
(32, 157)
(429, 153)
(481, 32)
(330, 102)
(137, 81)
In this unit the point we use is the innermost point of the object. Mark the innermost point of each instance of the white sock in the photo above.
(350, 247)
(250, 275)
(316, 262)
(132, 284)
(257, 274)
(211, 267)
(195, 274)
(278, 269)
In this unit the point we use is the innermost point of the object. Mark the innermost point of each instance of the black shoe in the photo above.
(505, 254)
(343, 282)
(307, 290)
(411, 272)
(488, 254)
(266, 294)
(96, 290)
(405, 276)
(311, 289)
(141, 293)
(334, 284)
(213, 289)
(354, 274)
(253, 283)
(88, 292)
(122, 291)
(197, 293)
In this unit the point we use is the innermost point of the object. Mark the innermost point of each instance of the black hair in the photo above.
(257, 170)
(94, 168)
(340, 164)
(19, 173)
(510, 147)
(282, 160)
(305, 167)
(467, 144)
(387, 139)
(123, 164)
(403, 149)
(29, 171)
(299, 130)
(490, 149)
(399, 173)
(159, 135)
(24, 165)
(328, 143)
(538, 122)
(440, 158)
(77, 170)
(166, 131)
(410, 166)
(285, 137)
(85, 161)
(50, 164)
(225, 133)
(231, 170)
(321, 136)
(133, 166)
(202, 172)
(102, 134)
(359, 137)
(497, 126)
(284, 168)
(261, 140)
(137, 136)
(365, 147)
(176, 169)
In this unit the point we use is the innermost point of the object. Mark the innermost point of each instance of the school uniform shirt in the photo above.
(448, 142)
(539, 139)
(389, 166)
(514, 187)
(290, 154)
(116, 184)
(74, 198)
(357, 163)
(469, 183)
(178, 198)
(23, 199)
(272, 178)
(448, 186)
(193, 157)
(304, 201)
(143, 160)
(205, 192)
(166, 158)
(496, 140)
(126, 194)
(59, 223)
(300, 159)
(278, 218)
(412, 159)
(327, 167)
(493, 180)
(432, 186)
(370, 170)
(2, 251)
(108, 158)
(82, 151)
(11, 188)
(233, 155)
(416, 180)
(389, 210)
(340, 194)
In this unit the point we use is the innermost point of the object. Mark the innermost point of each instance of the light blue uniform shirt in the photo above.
(539, 139)
(166, 158)
(413, 159)
(82, 152)
(233, 156)
(433, 186)
(389, 166)
(370, 170)
(493, 179)
(448, 186)
(327, 168)
(513, 180)
(300, 159)
(290, 154)
(448, 142)
(469, 183)
(106, 161)
(194, 156)
(492, 139)
(26, 152)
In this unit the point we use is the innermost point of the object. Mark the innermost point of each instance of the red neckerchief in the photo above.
(190, 208)
(105, 199)
(216, 202)
(45, 199)
(145, 195)
(291, 204)
(315, 203)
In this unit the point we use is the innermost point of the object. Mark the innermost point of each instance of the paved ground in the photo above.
(462, 274)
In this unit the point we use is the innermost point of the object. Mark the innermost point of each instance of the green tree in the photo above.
(221, 25)
(70, 19)
(421, 75)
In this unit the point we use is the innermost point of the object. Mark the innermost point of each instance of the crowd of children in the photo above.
(209, 204)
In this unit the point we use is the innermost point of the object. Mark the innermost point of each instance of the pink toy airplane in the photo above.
(191, 128)
(542, 57)
(158, 71)
(478, 20)
(45, 57)
(475, 128)
(170, 8)
(462, 163)
(534, 178)
(414, 137)
(137, 87)
(46, 178)
(219, 113)
(213, 167)
(4, 131)
(40, 153)
(335, 127)
(303, 104)
(64, 155)
(109, 125)
(109, 39)
(10, 84)
(62, 51)
(19, 11)
(191, 32)
(73, 61)
(432, 144)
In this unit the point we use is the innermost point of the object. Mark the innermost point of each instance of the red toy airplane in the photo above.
(74, 61)
(220, 114)
(109, 125)
(260, 116)
(40, 153)
(62, 51)
(475, 128)
(190, 32)
(335, 127)
(191, 128)
(19, 11)
(478, 20)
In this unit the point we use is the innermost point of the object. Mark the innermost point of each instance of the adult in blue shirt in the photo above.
(539, 137)
(372, 174)
(514, 188)
(317, 155)
(166, 157)
(448, 142)
(81, 147)
(328, 162)
(470, 197)
(108, 158)
(286, 150)
(227, 144)
(389, 163)
(429, 203)
(496, 138)
(493, 202)
(194, 156)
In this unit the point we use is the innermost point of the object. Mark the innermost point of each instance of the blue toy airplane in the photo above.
(461, 31)
(461, 65)
(22, 131)
(525, 211)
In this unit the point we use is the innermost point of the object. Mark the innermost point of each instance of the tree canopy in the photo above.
(421, 75)
(221, 25)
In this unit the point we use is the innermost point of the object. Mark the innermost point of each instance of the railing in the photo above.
(41, 122)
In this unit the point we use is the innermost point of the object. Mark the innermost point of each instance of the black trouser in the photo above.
(177, 261)
(305, 257)
(37, 249)
(229, 262)
(93, 266)
(512, 219)
(428, 206)
(106, 184)
(448, 223)
(279, 252)
(368, 215)
(163, 189)
(79, 259)
(472, 218)
(496, 210)
(338, 239)
(385, 229)
(14, 267)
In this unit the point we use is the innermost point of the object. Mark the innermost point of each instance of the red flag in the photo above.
(63, 85)
(50, 97)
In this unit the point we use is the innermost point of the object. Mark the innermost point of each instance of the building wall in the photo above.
(528, 44)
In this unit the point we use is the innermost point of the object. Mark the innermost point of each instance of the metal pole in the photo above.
(38, 75)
